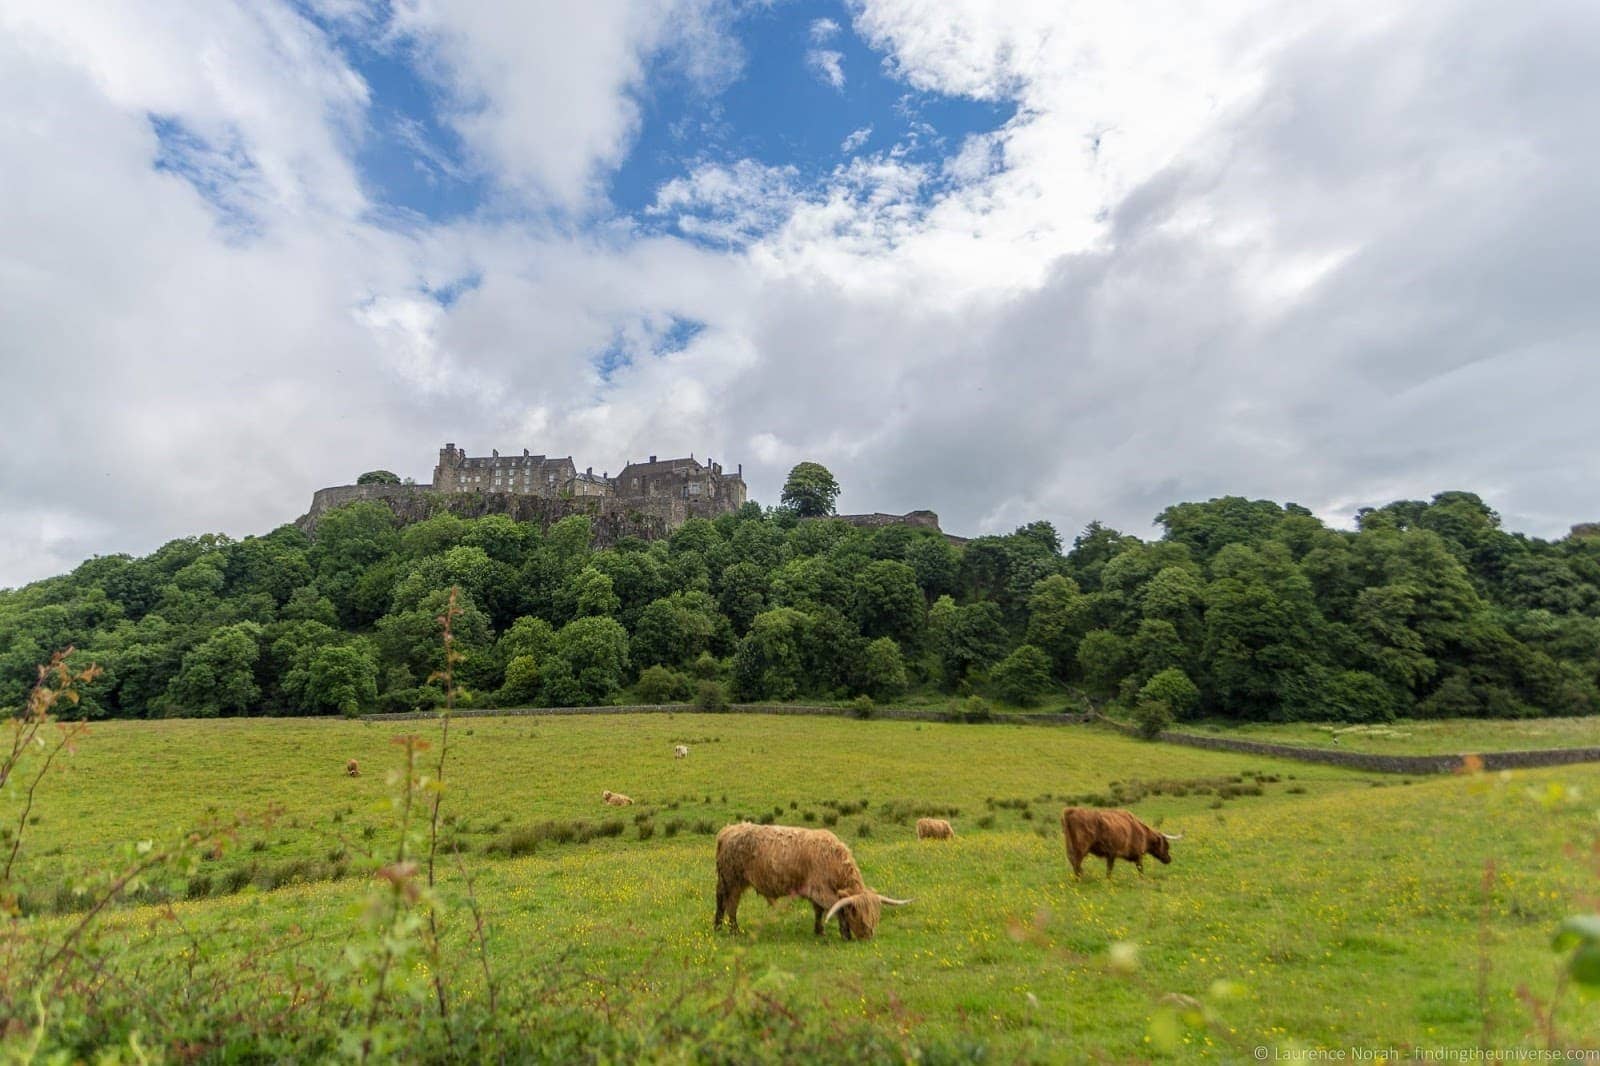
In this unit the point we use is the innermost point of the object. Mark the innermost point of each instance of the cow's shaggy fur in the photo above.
(1112, 835)
(813, 864)
(352, 768)
(616, 799)
(680, 751)
(934, 829)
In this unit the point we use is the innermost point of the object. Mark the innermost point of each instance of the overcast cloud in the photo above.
(1337, 254)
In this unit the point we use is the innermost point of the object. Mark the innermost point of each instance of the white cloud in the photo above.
(1335, 255)
(823, 30)
(856, 139)
(827, 65)
(543, 90)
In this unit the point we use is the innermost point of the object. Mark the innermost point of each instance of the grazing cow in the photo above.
(934, 829)
(352, 768)
(616, 799)
(680, 751)
(1112, 835)
(781, 860)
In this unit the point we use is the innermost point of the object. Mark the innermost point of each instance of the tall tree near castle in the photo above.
(810, 490)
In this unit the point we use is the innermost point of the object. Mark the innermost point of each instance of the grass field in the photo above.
(1349, 909)
(1445, 736)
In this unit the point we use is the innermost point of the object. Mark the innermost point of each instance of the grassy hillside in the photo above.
(1350, 910)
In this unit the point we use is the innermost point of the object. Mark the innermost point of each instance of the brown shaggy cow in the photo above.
(934, 829)
(781, 860)
(616, 799)
(1112, 835)
(352, 768)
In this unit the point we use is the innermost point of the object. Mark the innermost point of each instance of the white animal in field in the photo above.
(680, 751)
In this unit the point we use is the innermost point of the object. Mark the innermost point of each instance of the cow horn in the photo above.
(893, 902)
(839, 905)
(1169, 836)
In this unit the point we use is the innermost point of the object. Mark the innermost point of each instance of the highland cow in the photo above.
(1112, 835)
(934, 829)
(680, 751)
(779, 861)
(616, 799)
(352, 768)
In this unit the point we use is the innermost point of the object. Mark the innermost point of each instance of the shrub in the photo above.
(1172, 687)
(1152, 718)
(975, 709)
(709, 696)
(862, 706)
(706, 667)
(658, 684)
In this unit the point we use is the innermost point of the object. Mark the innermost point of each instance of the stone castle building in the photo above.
(647, 499)
(551, 478)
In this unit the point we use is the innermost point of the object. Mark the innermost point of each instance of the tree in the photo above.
(810, 490)
(343, 678)
(973, 637)
(521, 686)
(378, 477)
(218, 676)
(1058, 617)
(886, 601)
(883, 670)
(1173, 688)
(588, 664)
(1023, 677)
(1103, 658)
(767, 665)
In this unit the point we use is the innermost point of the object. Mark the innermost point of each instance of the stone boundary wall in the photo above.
(893, 714)
(1375, 761)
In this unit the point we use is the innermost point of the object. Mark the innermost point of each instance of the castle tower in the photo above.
(445, 475)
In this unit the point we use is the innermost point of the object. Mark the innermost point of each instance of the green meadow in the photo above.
(1306, 907)
(1444, 736)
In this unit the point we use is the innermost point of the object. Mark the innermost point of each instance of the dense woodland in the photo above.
(1242, 609)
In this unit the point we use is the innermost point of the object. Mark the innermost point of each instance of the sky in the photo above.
(1002, 259)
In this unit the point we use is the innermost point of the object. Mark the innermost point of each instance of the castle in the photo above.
(538, 475)
(649, 498)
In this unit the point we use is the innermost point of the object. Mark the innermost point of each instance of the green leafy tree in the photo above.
(1173, 688)
(883, 670)
(521, 685)
(595, 595)
(1105, 659)
(810, 490)
(886, 601)
(1023, 677)
(218, 676)
(589, 663)
(974, 637)
(1058, 617)
(378, 477)
(343, 678)
(767, 664)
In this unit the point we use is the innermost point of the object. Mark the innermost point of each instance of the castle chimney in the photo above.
(589, 471)
(741, 470)
(496, 452)
(524, 453)
(652, 458)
